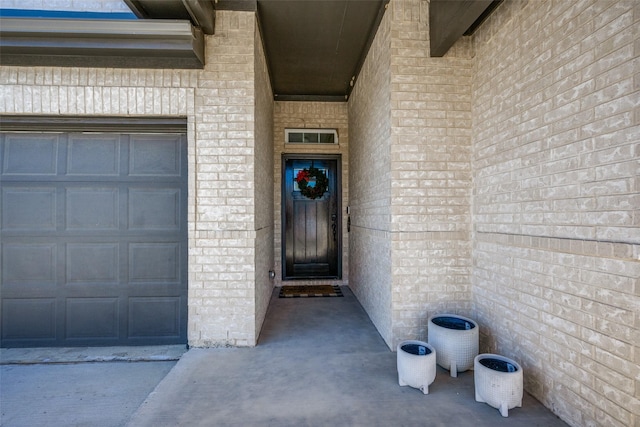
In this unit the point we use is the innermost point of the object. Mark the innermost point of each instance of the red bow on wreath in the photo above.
(303, 175)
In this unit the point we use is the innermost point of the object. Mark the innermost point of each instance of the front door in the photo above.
(312, 243)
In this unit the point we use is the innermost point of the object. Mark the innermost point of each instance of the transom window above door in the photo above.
(311, 136)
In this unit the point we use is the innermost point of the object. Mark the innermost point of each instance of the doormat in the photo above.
(310, 291)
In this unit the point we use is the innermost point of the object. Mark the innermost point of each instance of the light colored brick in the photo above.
(586, 175)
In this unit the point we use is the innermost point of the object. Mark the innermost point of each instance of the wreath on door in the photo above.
(313, 176)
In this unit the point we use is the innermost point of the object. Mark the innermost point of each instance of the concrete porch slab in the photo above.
(319, 362)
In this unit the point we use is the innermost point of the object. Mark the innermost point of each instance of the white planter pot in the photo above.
(498, 382)
(416, 364)
(456, 340)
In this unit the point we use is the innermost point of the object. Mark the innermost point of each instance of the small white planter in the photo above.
(456, 340)
(416, 364)
(498, 382)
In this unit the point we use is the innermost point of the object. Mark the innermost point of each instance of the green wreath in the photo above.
(306, 176)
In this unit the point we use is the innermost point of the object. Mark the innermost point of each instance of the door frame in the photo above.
(283, 224)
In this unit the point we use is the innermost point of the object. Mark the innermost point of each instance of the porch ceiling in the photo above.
(315, 48)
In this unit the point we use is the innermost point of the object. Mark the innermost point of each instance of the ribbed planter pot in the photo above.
(498, 382)
(416, 364)
(456, 340)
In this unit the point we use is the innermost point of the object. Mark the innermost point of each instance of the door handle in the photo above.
(334, 225)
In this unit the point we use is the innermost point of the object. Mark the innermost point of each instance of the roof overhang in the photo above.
(200, 12)
(451, 19)
(314, 48)
(101, 43)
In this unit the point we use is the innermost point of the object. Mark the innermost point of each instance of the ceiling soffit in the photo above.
(315, 48)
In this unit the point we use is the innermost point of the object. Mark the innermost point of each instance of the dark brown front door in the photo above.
(312, 244)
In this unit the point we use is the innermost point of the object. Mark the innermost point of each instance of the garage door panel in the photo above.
(154, 209)
(155, 155)
(94, 155)
(28, 208)
(30, 318)
(93, 238)
(92, 318)
(154, 317)
(92, 208)
(29, 264)
(154, 263)
(93, 263)
(30, 154)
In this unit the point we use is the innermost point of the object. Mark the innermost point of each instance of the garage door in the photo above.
(93, 238)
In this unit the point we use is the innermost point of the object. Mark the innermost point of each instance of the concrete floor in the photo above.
(80, 386)
(77, 394)
(319, 362)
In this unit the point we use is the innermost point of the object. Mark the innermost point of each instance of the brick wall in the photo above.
(370, 178)
(264, 182)
(413, 113)
(314, 115)
(556, 92)
(96, 91)
(430, 172)
(222, 275)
